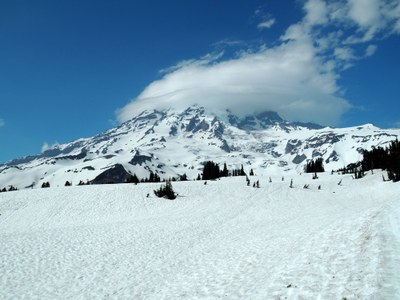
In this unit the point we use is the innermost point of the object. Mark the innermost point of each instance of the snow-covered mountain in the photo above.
(172, 143)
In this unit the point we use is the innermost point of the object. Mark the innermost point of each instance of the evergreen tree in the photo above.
(314, 166)
(211, 171)
(12, 188)
(133, 179)
(242, 173)
(224, 172)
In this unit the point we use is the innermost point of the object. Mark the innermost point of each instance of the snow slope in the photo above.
(220, 240)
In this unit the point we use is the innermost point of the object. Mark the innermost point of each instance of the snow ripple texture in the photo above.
(223, 240)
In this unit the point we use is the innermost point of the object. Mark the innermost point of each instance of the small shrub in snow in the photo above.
(166, 191)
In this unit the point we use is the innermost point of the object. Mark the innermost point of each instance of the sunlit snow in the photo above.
(220, 240)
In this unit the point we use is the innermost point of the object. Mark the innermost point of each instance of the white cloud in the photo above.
(397, 27)
(2, 122)
(344, 53)
(287, 79)
(372, 18)
(46, 146)
(371, 49)
(266, 24)
(316, 12)
(297, 77)
(366, 13)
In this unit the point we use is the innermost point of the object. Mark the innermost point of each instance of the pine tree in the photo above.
(314, 166)
(151, 177)
(133, 179)
(242, 173)
(183, 177)
(225, 172)
(211, 171)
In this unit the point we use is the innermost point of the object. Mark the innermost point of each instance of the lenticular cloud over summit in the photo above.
(296, 78)
(288, 79)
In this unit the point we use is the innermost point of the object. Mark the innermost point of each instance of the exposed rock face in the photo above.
(116, 174)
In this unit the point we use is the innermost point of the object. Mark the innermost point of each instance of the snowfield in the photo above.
(220, 240)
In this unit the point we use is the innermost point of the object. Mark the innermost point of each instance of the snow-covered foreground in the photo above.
(220, 240)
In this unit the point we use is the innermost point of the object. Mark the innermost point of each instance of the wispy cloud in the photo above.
(297, 77)
(264, 20)
(266, 23)
(371, 49)
(229, 43)
(2, 122)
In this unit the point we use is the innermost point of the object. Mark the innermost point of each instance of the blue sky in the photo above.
(71, 69)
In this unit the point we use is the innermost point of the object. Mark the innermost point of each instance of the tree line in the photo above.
(387, 159)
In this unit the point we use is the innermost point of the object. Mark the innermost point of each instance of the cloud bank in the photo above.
(297, 77)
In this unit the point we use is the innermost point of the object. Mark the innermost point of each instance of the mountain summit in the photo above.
(176, 142)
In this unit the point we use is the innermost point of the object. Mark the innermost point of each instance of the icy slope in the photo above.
(220, 240)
